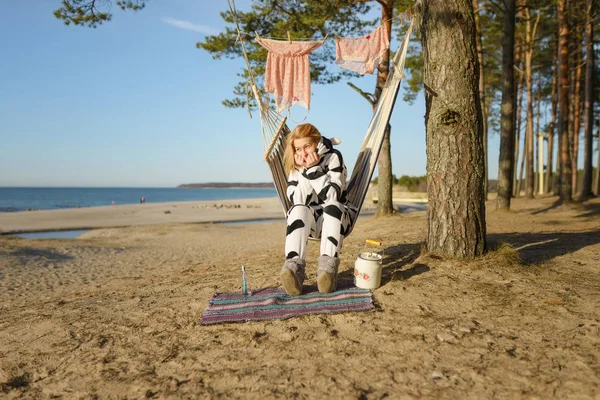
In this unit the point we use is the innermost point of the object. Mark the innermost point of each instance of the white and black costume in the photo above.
(320, 210)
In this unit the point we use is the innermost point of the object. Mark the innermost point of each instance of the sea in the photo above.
(14, 199)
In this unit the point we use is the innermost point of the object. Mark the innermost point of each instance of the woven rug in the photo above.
(273, 303)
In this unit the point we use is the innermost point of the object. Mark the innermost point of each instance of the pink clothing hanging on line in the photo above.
(287, 74)
(362, 54)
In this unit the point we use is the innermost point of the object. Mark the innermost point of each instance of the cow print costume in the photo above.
(320, 206)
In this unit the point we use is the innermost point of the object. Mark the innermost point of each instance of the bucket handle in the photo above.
(376, 243)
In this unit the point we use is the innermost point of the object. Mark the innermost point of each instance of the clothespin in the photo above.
(289, 37)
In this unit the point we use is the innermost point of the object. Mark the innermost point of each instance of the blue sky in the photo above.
(133, 103)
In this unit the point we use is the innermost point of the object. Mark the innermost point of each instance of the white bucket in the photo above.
(367, 270)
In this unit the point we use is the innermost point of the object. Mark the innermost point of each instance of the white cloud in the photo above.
(189, 26)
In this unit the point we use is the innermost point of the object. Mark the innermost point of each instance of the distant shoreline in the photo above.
(225, 185)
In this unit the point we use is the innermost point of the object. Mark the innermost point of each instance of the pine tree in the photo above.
(454, 129)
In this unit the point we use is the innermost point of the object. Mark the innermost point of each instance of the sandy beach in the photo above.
(114, 313)
(141, 214)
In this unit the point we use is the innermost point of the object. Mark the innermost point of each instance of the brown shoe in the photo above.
(326, 282)
(292, 276)
(290, 282)
(327, 273)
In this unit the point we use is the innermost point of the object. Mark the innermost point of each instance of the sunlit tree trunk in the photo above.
(523, 158)
(576, 114)
(536, 134)
(506, 164)
(385, 205)
(520, 88)
(454, 129)
(588, 113)
(529, 134)
(565, 186)
(478, 43)
(517, 128)
(551, 126)
(598, 168)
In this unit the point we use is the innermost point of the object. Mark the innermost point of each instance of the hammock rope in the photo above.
(275, 130)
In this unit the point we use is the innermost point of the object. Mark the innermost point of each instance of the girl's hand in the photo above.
(311, 160)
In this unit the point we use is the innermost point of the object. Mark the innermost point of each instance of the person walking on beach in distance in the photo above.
(320, 209)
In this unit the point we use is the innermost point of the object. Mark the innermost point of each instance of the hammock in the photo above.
(275, 130)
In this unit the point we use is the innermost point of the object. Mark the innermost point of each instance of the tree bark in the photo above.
(576, 115)
(454, 130)
(506, 163)
(529, 134)
(385, 205)
(523, 158)
(519, 117)
(598, 168)
(536, 133)
(517, 129)
(588, 118)
(565, 187)
(551, 126)
(479, 45)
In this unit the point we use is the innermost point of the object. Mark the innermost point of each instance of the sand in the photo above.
(141, 214)
(114, 313)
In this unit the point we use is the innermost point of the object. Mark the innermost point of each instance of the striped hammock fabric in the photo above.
(274, 303)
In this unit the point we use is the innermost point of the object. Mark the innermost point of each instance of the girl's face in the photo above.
(304, 147)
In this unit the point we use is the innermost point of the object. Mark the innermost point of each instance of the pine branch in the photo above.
(370, 98)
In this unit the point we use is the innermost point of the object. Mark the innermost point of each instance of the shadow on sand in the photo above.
(537, 248)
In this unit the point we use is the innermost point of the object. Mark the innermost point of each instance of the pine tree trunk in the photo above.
(523, 158)
(576, 115)
(550, 162)
(529, 138)
(519, 114)
(520, 84)
(551, 126)
(536, 134)
(558, 173)
(454, 130)
(384, 166)
(385, 205)
(529, 134)
(586, 189)
(479, 45)
(565, 187)
(598, 168)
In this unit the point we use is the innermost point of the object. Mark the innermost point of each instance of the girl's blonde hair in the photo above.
(300, 132)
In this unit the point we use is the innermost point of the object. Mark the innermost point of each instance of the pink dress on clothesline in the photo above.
(287, 74)
(362, 54)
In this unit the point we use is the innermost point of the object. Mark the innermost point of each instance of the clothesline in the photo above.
(403, 18)
(287, 70)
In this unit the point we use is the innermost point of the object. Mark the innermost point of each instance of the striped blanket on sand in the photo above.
(273, 303)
